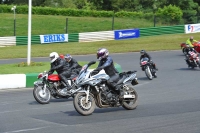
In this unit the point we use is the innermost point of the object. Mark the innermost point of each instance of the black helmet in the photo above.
(142, 52)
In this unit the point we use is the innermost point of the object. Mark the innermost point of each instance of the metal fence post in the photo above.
(113, 19)
(66, 25)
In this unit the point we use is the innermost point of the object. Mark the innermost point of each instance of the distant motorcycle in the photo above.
(148, 68)
(184, 47)
(193, 59)
(51, 85)
(94, 91)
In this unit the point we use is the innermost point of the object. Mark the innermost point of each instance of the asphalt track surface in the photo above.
(167, 104)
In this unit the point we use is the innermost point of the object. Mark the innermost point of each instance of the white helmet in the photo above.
(53, 56)
(102, 53)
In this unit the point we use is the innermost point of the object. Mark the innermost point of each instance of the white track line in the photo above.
(25, 130)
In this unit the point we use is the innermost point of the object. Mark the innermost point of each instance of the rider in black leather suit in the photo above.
(60, 66)
(145, 54)
(73, 64)
(106, 63)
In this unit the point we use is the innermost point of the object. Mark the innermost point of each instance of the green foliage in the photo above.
(171, 14)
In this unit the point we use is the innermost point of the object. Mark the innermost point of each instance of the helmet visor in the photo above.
(99, 55)
(52, 57)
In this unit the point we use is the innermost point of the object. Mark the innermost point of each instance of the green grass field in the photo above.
(52, 24)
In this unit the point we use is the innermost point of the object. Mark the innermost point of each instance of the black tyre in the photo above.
(81, 106)
(184, 51)
(132, 103)
(148, 73)
(42, 97)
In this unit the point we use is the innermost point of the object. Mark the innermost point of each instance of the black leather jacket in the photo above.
(60, 65)
(73, 64)
(108, 66)
(145, 55)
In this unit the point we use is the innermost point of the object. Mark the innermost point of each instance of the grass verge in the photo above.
(16, 69)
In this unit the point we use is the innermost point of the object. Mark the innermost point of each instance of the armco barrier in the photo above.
(8, 41)
(32, 77)
(106, 35)
(96, 36)
(23, 40)
(162, 30)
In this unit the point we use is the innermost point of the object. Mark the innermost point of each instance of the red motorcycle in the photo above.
(193, 59)
(184, 47)
(51, 85)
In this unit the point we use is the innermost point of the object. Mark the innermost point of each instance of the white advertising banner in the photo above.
(53, 38)
(192, 28)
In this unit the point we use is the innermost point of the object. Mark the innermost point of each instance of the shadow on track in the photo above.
(53, 101)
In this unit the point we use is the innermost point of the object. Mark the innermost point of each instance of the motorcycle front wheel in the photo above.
(81, 106)
(184, 51)
(41, 96)
(148, 73)
(132, 103)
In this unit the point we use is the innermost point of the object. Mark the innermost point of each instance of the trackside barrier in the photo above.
(35, 39)
(161, 30)
(8, 41)
(96, 36)
(12, 81)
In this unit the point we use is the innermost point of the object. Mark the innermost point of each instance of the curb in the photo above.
(25, 80)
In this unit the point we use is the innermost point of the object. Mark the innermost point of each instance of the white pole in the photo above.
(29, 32)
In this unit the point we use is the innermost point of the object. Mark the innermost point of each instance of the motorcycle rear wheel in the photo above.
(41, 96)
(132, 104)
(81, 107)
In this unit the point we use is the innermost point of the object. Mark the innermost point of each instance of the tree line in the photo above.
(190, 8)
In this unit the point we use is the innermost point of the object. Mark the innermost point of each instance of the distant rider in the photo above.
(60, 66)
(73, 64)
(190, 48)
(190, 41)
(144, 54)
(106, 63)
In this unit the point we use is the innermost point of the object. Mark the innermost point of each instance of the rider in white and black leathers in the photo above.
(60, 66)
(106, 63)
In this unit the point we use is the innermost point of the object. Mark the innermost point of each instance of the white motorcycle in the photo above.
(94, 91)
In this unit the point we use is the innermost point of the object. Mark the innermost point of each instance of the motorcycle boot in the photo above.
(66, 84)
(155, 67)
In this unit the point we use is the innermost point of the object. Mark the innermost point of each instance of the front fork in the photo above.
(87, 92)
(44, 88)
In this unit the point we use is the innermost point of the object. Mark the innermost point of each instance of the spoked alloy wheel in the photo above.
(81, 106)
(132, 103)
(148, 73)
(41, 96)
